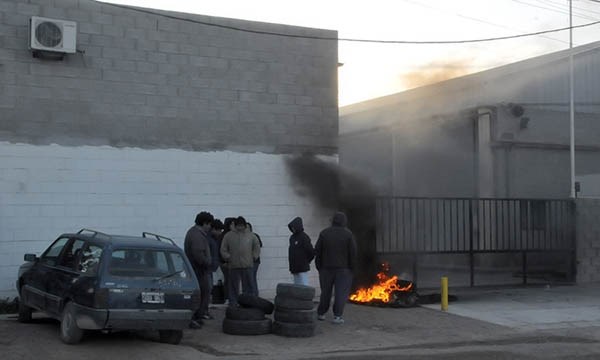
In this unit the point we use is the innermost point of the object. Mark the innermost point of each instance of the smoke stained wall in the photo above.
(335, 189)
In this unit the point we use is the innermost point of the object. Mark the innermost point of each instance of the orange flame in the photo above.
(381, 291)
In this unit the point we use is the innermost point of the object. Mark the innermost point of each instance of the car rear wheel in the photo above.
(170, 336)
(24, 312)
(70, 333)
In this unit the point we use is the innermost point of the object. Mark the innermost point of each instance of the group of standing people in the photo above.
(235, 248)
(230, 245)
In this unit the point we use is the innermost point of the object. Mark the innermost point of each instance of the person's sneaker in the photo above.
(196, 324)
(207, 317)
(337, 320)
(321, 317)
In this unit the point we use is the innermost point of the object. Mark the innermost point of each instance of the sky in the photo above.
(374, 70)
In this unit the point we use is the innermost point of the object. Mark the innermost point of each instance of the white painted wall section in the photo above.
(49, 190)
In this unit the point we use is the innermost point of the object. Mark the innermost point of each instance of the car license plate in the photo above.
(153, 298)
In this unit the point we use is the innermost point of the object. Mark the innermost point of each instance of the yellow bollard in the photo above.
(444, 293)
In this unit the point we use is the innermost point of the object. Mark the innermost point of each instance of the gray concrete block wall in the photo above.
(148, 81)
(588, 240)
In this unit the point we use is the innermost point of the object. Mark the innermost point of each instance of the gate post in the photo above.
(471, 255)
(524, 267)
(415, 266)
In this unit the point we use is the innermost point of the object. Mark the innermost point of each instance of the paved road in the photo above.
(369, 333)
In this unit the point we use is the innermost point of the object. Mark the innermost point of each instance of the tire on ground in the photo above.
(247, 327)
(170, 336)
(70, 333)
(293, 330)
(295, 316)
(293, 304)
(294, 291)
(242, 313)
(253, 301)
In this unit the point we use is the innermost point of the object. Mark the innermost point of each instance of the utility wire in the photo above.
(471, 18)
(566, 6)
(555, 9)
(426, 42)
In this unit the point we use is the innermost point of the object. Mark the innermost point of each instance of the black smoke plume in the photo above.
(333, 188)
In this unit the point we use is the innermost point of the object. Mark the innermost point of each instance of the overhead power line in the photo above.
(298, 36)
(477, 19)
(555, 9)
(565, 6)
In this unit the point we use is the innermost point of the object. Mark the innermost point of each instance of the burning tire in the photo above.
(247, 327)
(296, 316)
(252, 301)
(406, 300)
(294, 330)
(294, 291)
(241, 313)
(287, 303)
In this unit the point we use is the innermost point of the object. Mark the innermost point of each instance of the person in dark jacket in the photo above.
(216, 229)
(214, 234)
(227, 227)
(257, 261)
(335, 258)
(300, 252)
(197, 250)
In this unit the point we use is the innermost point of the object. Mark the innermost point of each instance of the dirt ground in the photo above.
(369, 333)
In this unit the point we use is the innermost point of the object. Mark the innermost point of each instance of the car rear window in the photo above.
(147, 263)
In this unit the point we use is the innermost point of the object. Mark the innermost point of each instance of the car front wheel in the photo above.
(70, 333)
(170, 336)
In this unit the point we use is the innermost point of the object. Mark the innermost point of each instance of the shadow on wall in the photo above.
(333, 188)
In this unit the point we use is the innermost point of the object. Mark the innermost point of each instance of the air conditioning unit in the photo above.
(52, 35)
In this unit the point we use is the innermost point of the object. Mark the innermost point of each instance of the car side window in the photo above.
(71, 254)
(50, 257)
(161, 261)
(89, 260)
(178, 262)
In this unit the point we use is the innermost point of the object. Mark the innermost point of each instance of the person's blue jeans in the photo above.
(301, 278)
(341, 280)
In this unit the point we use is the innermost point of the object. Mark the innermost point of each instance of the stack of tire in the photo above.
(295, 314)
(248, 318)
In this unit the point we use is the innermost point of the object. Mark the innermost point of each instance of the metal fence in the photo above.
(475, 225)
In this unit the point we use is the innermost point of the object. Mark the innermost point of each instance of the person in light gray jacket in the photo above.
(240, 248)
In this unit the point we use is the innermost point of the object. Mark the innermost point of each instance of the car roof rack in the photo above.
(159, 237)
(94, 232)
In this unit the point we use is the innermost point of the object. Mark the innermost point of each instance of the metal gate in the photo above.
(411, 225)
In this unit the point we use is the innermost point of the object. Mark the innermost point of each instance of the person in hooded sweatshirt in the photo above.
(335, 258)
(300, 252)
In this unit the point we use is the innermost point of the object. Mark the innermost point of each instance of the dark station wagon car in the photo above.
(95, 281)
